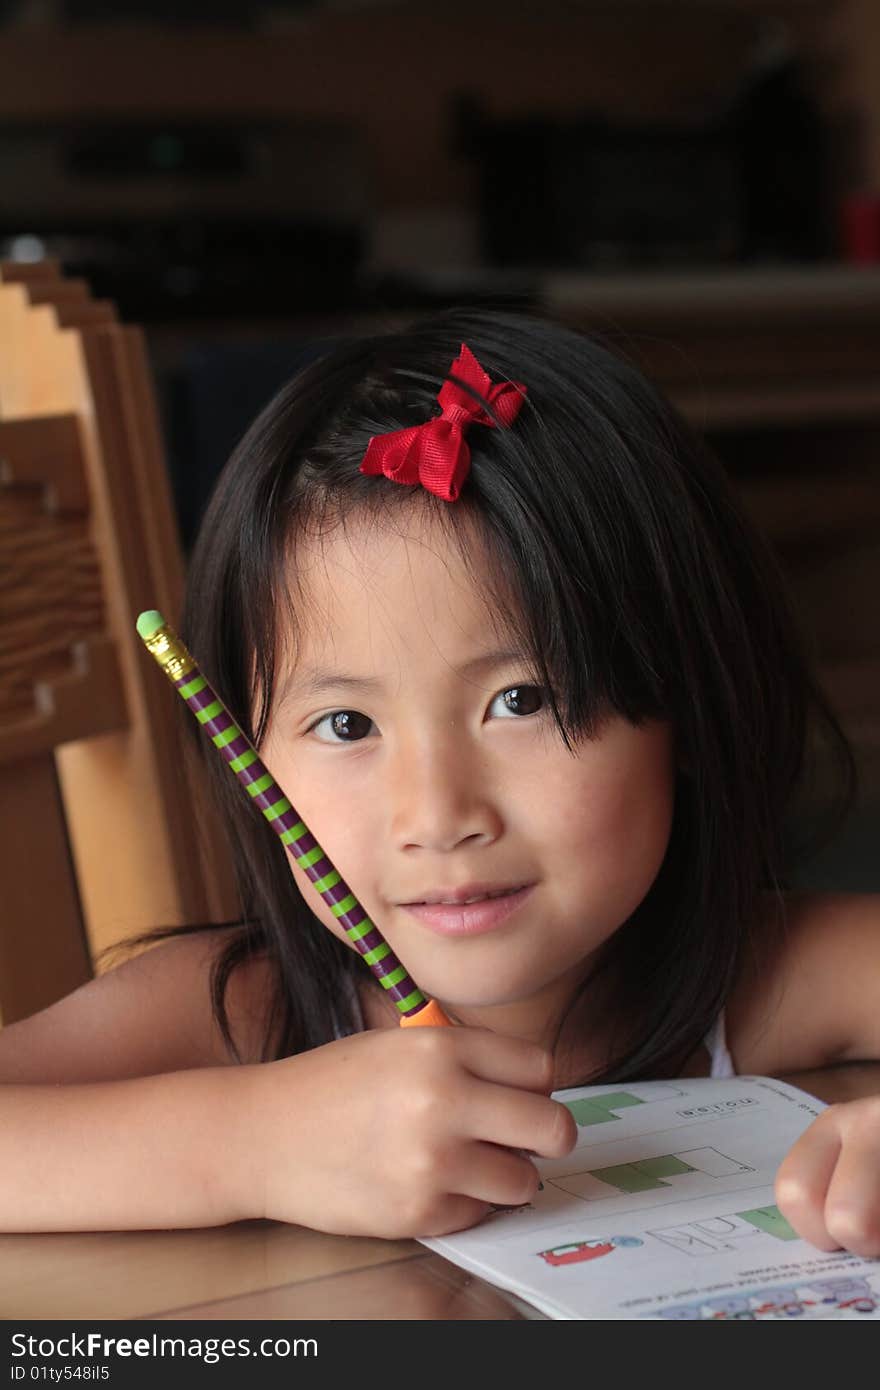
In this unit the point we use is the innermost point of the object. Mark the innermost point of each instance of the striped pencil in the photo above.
(244, 762)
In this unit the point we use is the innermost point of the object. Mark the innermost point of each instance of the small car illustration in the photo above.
(577, 1252)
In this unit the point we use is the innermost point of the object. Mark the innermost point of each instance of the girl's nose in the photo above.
(440, 797)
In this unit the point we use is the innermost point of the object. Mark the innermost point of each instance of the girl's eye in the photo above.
(346, 725)
(349, 726)
(521, 699)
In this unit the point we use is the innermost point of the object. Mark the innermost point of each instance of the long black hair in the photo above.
(626, 569)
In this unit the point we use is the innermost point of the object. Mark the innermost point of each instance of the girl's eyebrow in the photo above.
(309, 682)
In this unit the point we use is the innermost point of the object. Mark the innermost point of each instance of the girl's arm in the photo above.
(117, 1113)
(153, 1014)
(815, 999)
(156, 1151)
(116, 1102)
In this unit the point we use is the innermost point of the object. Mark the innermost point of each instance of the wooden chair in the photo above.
(103, 828)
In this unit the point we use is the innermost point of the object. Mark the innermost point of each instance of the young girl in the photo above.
(487, 608)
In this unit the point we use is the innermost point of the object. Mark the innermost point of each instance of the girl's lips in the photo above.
(468, 919)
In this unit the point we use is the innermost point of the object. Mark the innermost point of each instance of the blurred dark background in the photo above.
(696, 180)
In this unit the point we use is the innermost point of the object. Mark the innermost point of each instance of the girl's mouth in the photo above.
(469, 919)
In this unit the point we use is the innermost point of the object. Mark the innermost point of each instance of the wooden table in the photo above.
(262, 1269)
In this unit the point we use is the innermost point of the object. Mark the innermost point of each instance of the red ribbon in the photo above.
(436, 453)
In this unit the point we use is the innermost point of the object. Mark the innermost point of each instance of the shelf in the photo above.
(788, 293)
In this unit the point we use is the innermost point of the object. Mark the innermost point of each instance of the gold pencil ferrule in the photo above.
(170, 653)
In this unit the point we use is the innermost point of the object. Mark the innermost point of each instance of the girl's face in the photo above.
(413, 741)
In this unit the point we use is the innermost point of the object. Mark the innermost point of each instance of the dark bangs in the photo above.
(620, 562)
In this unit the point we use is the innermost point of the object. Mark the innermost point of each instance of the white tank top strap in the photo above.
(715, 1042)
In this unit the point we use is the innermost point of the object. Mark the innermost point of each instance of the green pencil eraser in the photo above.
(149, 622)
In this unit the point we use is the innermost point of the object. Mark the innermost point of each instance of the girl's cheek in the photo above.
(331, 818)
(315, 903)
(624, 814)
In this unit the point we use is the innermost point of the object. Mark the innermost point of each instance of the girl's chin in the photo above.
(468, 1006)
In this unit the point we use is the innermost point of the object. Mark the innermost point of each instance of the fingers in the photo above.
(802, 1182)
(456, 1189)
(518, 1120)
(507, 1061)
(505, 1100)
(852, 1206)
(494, 1177)
(455, 1213)
(477, 1179)
(828, 1187)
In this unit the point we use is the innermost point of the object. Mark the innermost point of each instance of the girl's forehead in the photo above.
(388, 560)
(403, 576)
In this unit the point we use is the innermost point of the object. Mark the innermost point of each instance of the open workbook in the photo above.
(665, 1209)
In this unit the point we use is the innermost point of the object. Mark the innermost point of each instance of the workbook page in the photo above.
(665, 1209)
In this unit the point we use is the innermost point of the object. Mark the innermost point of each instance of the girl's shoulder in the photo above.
(808, 993)
(151, 1014)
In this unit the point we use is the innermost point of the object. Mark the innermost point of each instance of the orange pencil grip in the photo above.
(431, 1016)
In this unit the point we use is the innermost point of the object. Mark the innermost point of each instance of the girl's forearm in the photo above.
(154, 1152)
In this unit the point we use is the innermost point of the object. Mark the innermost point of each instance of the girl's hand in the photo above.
(828, 1186)
(404, 1132)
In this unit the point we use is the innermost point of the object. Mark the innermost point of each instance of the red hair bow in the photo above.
(436, 453)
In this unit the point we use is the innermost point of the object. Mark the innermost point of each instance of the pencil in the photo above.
(260, 786)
